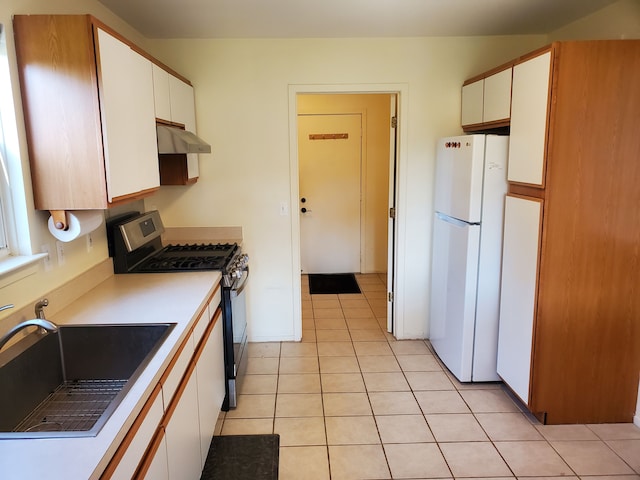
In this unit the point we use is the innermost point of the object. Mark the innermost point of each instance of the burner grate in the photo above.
(175, 258)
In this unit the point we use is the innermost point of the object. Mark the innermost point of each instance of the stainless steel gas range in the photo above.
(135, 244)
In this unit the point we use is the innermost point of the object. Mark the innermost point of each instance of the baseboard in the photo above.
(636, 420)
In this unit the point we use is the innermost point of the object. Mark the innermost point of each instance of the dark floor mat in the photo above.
(333, 283)
(242, 457)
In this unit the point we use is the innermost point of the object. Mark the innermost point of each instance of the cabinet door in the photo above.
(161, 93)
(211, 382)
(529, 112)
(522, 221)
(183, 110)
(155, 466)
(497, 96)
(183, 432)
(128, 118)
(472, 103)
(144, 434)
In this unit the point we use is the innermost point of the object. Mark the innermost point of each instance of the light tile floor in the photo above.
(351, 402)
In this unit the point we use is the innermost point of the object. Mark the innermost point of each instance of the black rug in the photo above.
(242, 457)
(333, 283)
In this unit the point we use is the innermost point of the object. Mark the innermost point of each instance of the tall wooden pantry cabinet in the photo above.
(569, 342)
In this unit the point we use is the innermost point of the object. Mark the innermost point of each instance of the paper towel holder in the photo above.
(60, 220)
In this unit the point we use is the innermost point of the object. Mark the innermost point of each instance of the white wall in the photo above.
(242, 109)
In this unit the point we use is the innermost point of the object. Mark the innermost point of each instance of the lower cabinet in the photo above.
(156, 468)
(521, 244)
(182, 431)
(211, 381)
(170, 438)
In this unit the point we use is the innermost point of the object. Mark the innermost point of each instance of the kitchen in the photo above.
(240, 94)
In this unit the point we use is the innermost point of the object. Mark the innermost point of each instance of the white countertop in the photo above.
(130, 298)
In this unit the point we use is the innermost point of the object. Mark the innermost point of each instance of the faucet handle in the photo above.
(40, 308)
(6, 307)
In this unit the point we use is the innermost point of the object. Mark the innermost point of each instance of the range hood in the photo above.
(176, 140)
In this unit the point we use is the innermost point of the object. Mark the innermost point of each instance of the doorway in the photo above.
(377, 182)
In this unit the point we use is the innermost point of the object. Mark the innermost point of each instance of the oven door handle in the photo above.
(238, 289)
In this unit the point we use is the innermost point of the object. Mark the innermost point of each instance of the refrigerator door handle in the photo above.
(454, 221)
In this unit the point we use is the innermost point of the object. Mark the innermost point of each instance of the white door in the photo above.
(329, 150)
(454, 280)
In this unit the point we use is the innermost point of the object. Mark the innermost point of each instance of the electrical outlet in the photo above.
(60, 250)
(89, 242)
(284, 209)
(47, 260)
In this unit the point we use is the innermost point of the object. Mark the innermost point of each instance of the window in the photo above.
(17, 257)
(4, 181)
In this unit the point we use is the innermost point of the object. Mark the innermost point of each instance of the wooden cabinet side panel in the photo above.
(63, 124)
(588, 333)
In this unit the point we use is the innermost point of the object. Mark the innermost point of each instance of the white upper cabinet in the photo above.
(175, 102)
(127, 109)
(487, 100)
(529, 112)
(89, 113)
(161, 93)
(497, 96)
(182, 101)
(183, 110)
(472, 102)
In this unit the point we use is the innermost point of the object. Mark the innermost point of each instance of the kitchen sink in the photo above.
(68, 383)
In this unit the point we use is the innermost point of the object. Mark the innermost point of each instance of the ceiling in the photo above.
(347, 18)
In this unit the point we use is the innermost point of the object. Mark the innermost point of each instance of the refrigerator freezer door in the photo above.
(453, 293)
(459, 172)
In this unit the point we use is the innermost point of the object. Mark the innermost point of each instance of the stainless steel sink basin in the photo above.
(68, 383)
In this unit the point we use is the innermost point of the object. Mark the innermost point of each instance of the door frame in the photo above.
(401, 91)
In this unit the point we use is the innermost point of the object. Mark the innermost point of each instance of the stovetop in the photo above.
(173, 258)
(136, 247)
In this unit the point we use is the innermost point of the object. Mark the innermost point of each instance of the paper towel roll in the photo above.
(81, 222)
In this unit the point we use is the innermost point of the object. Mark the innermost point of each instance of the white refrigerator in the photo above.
(471, 183)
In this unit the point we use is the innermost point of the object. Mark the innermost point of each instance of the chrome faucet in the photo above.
(43, 325)
(40, 308)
